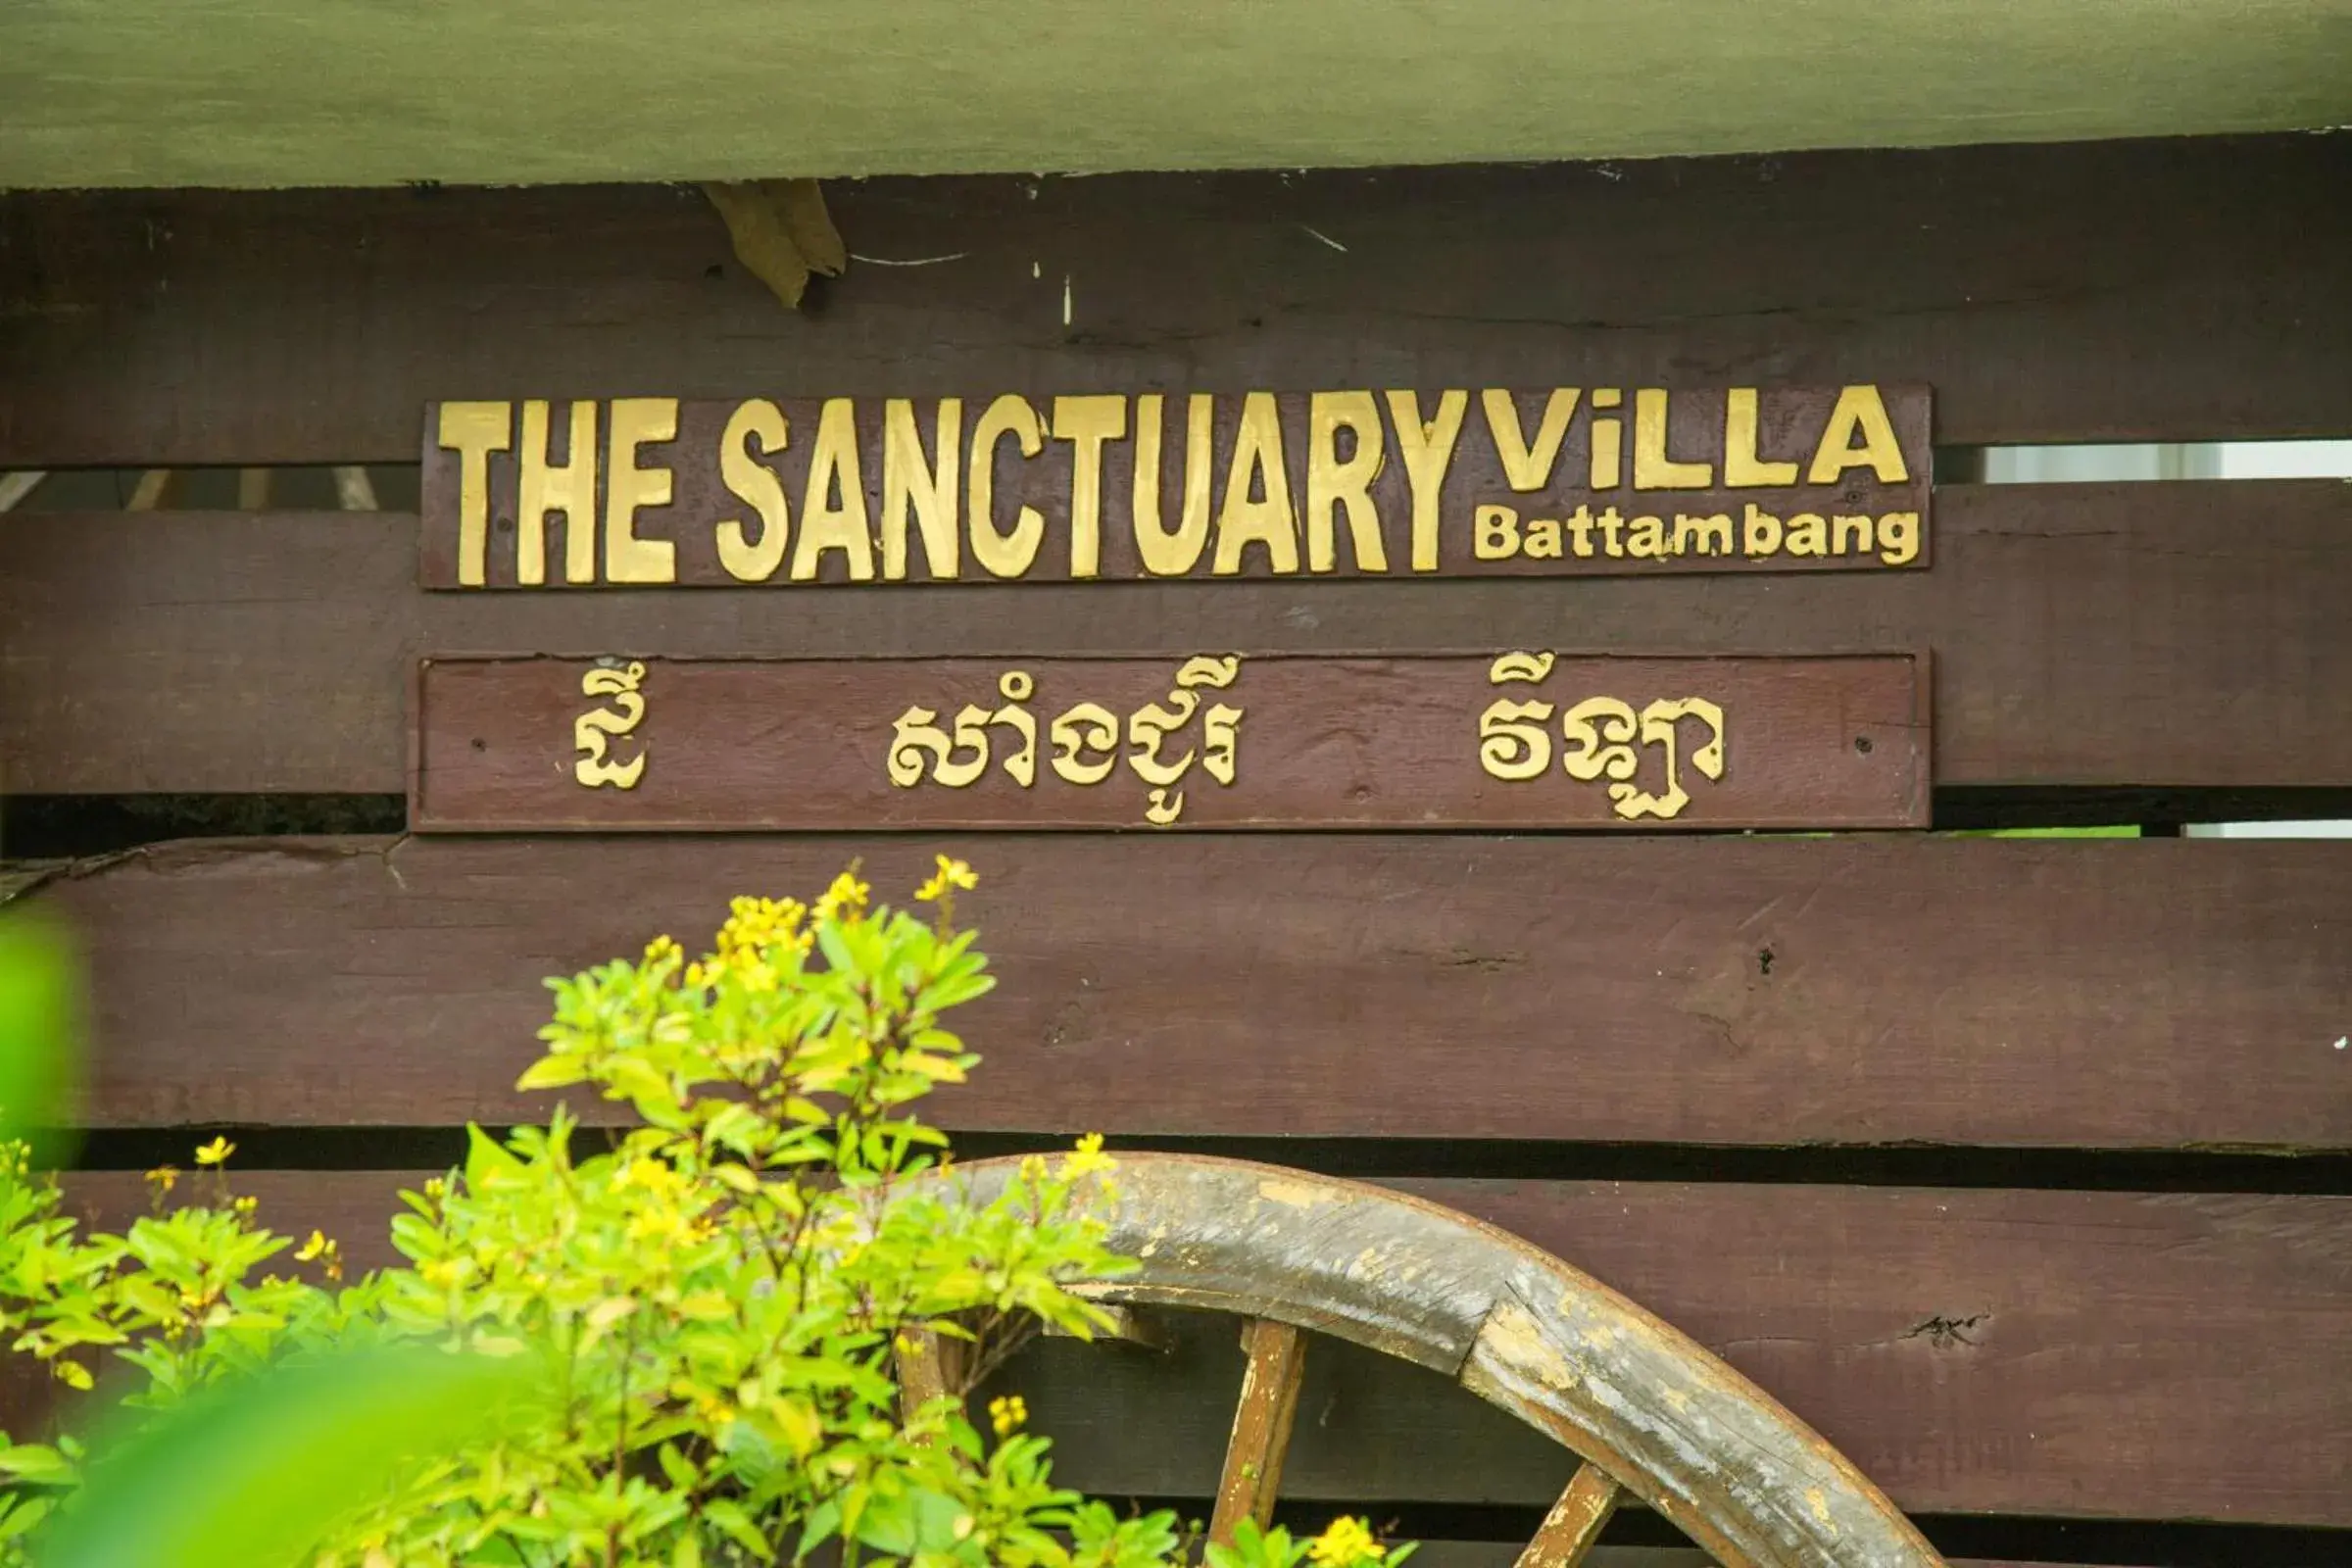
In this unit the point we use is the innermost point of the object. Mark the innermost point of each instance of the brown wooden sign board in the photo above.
(1449, 481)
(1524, 739)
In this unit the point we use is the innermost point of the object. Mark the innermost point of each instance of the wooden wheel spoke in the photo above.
(1574, 1523)
(15, 487)
(928, 1365)
(354, 490)
(149, 494)
(1261, 1426)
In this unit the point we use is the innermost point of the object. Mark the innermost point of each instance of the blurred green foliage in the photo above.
(40, 1033)
(681, 1349)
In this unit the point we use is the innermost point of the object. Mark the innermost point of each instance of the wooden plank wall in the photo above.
(2013, 1336)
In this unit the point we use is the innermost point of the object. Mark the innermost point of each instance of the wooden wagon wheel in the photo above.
(1652, 1414)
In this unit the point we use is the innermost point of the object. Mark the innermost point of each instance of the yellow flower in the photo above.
(846, 896)
(163, 1178)
(659, 949)
(1007, 1414)
(216, 1152)
(951, 875)
(1346, 1543)
(319, 1246)
(1086, 1158)
(246, 1206)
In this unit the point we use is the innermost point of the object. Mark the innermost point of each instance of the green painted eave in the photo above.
(303, 92)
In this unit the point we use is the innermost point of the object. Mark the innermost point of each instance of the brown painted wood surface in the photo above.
(2187, 634)
(2105, 993)
(2071, 1354)
(2155, 290)
(1508, 740)
(1206, 484)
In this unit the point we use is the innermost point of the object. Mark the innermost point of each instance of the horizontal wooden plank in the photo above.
(2105, 993)
(2071, 1354)
(2160, 290)
(1508, 740)
(2177, 635)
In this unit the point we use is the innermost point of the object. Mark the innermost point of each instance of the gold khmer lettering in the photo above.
(1162, 751)
(1599, 739)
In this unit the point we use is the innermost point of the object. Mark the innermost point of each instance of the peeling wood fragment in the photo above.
(1261, 1426)
(23, 876)
(1574, 1523)
(1129, 1325)
(781, 231)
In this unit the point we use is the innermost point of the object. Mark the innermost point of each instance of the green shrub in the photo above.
(712, 1303)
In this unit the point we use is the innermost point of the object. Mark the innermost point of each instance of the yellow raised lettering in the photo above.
(1712, 535)
(1426, 450)
(1527, 464)
(755, 484)
(542, 486)
(1086, 424)
(1165, 554)
(1495, 533)
(1257, 464)
(1898, 538)
(827, 524)
(1742, 469)
(1332, 484)
(1008, 552)
(1653, 469)
(1608, 442)
(926, 489)
(632, 424)
(474, 430)
(1859, 413)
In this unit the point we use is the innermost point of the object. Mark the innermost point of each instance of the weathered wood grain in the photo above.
(2067, 1354)
(2188, 634)
(1274, 1362)
(2104, 993)
(2170, 290)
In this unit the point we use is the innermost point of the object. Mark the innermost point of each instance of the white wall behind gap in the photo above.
(2214, 460)
(2217, 459)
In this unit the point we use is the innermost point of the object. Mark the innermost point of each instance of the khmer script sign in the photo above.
(1105, 486)
(1513, 739)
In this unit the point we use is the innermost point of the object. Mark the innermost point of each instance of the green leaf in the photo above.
(554, 1072)
(40, 1033)
(36, 1463)
(249, 1474)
